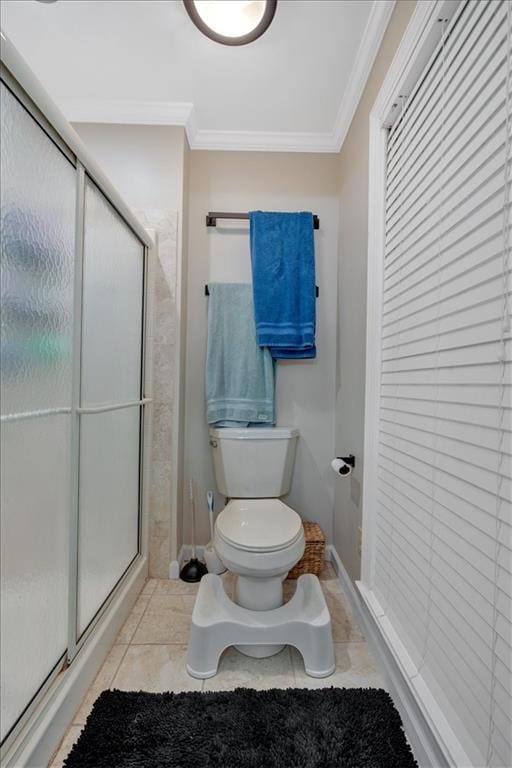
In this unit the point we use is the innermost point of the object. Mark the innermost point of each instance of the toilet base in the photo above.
(218, 622)
(259, 595)
(259, 651)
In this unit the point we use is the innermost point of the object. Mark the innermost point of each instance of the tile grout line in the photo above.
(176, 642)
(143, 612)
(129, 643)
(116, 670)
(119, 664)
(82, 725)
(126, 647)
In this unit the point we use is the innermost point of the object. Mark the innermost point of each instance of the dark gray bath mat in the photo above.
(292, 728)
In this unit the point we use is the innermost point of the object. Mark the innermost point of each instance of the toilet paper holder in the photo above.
(344, 465)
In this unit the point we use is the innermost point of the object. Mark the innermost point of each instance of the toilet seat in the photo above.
(258, 525)
(259, 540)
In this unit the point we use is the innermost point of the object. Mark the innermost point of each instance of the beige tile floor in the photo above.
(150, 652)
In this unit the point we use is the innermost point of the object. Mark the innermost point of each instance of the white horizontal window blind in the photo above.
(442, 538)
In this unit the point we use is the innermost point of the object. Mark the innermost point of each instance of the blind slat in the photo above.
(482, 355)
(446, 497)
(448, 612)
(476, 235)
(476, 415)
(441, 625)
(448, 269)
(447, 321)
(459, 83)
(480, 202)
(474, 488)
(457, 36)
(415, 211)
(466, 144)
(477, 374)
(490, 77)
(488, 395)
(447, 433)
(473, 595)
(473, 455)
(472, 354)
(419, 535)
(457, 690)
(443, 337)
(440, 668)
(453, 295)
(415, 499)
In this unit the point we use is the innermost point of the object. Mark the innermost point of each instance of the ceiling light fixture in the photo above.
(231, 22)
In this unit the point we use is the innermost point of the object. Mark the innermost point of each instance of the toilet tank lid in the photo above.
(253, 433)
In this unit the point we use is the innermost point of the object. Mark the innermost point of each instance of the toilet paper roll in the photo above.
(341, 467)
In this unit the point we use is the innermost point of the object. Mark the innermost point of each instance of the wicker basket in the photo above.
(312, 560)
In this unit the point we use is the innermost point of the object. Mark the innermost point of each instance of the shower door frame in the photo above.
(76, 638)
(20, 81)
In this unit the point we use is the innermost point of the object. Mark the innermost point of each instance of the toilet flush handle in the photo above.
(213, 443)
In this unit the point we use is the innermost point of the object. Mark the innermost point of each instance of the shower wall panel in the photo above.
(37, 258)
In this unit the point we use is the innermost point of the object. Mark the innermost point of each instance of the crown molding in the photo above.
(183, 113)
(261, 141)
(376, 26)
(127, 111)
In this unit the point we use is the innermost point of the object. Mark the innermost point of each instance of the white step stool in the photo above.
(218, 622)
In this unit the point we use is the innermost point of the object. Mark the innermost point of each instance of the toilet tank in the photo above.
(253, 463)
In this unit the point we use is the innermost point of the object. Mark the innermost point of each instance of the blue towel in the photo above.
(239, 374)
(283, 274)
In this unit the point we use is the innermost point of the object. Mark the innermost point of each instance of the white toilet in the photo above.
(257, 536)
(259, 539)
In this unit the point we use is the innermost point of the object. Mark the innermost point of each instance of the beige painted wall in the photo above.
(241, 181)
(144, 162)
(351, 344)
(148, 165)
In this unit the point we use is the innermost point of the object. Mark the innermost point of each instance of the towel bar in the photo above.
(317, 291)
(212, 216)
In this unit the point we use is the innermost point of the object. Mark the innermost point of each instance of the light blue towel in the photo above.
(283, 274)
(239, 374)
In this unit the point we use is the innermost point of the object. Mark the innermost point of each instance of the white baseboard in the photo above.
(426, 749)
(43, 733)
(186, 553)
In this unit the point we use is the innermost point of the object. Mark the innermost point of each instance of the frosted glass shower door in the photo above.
(37, 272)
(111, 391)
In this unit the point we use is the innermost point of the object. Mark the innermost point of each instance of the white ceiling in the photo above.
(143, 61)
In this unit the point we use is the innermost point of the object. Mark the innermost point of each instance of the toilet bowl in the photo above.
(259, 540)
